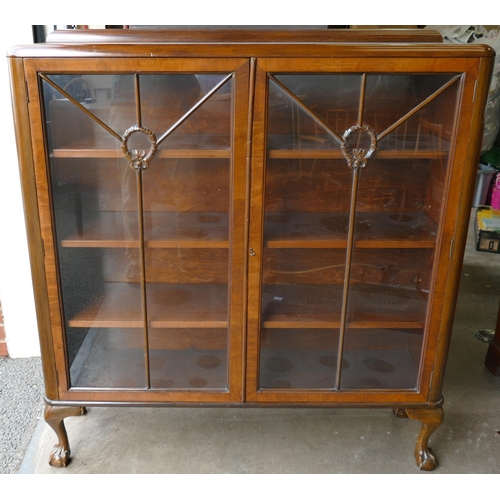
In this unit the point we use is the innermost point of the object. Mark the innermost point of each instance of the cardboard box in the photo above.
(487, 224)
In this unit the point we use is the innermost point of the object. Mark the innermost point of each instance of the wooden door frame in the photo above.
(58, 388)
(449, 242)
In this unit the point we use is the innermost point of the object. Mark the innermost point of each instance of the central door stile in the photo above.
(347, 275)
(142, 257)
(355, 166)
(140, 215)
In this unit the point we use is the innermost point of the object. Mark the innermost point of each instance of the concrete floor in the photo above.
(183, 440)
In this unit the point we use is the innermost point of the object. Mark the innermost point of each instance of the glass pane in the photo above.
(311, 188)
(109, 358)
(96, 222)
(306, 219)
(103, 97)
(194, 358)
(298, 358)
(368, 366)
(398, 212)
(291, 127)
(333, 98)
(207, 128)
(389, 97)
(186, 226)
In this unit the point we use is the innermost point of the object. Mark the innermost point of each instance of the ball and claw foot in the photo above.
(59, 456)
(431, 419)
(425, 460)
(54, 416)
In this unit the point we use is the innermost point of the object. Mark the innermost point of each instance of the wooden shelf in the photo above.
(109, 153)
(322, 146)
(162, 230)
(176, 146)
(334, 154)
(329, 230)
(370, 306)
(169, 306)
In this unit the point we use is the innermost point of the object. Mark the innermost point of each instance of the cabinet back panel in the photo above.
(388, 266)
(176, 265)
(325, 186)
(187, 265)
(176, 185)
(187, 185)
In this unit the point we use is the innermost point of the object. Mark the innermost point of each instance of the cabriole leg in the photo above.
(54, 416)
(431, 419)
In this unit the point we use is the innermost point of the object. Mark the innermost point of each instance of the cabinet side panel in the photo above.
(35, 244)
(45, 216)
(466, 157)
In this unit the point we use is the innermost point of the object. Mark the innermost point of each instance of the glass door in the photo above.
(354, 171)
(144, 176)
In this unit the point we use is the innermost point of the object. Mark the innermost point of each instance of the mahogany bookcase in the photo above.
(247, 218)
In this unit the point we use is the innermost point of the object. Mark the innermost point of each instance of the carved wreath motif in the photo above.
(138, 158)
(358, 157)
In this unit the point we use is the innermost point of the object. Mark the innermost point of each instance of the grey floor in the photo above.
(183, 440)
(21, 392)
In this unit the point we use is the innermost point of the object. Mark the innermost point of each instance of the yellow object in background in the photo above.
(488, 219)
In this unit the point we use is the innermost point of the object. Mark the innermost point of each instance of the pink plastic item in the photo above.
(495, 193)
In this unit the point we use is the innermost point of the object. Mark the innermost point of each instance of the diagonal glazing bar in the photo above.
(181, 120)
(83, 108)
(418, 108)
(310, 113)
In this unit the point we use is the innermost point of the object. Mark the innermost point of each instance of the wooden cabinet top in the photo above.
(126, 46)
(244, 35)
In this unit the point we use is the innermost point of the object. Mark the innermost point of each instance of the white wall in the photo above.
(16, 290)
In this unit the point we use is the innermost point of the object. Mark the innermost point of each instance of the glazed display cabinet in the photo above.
(247, 224)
